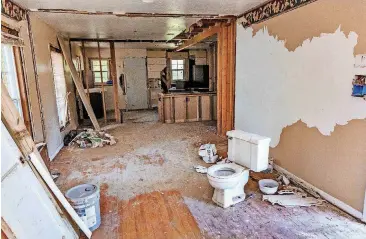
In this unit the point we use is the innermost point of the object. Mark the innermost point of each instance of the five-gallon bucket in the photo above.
(84, 199)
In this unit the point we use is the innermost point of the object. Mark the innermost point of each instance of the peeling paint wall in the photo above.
(294, 79)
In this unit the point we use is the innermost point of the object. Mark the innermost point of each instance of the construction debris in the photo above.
(294, 200)
(200, 169)
(90, 138)
(208, 153)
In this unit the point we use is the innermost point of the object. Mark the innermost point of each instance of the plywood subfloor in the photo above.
(141, 177)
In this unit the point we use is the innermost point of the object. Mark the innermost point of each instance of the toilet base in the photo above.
(228, 197)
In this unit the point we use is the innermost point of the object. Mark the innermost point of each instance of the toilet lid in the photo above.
(227, 170)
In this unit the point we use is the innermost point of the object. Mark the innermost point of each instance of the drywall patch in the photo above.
(276, 88)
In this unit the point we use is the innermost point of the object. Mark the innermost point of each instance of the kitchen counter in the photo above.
(187, 106)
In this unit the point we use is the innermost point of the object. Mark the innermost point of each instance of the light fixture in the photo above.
(148, 1)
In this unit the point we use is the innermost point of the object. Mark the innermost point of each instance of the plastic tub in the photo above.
(84, 199)
(268, 186)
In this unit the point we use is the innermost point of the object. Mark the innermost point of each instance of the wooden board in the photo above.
(180, 109)
(156, 54)
(78, 83)
(192, 108)
(168, 114)
(153, 74)
(157, 215)
(206, 108)
(156, 61)
(177, 55)
(115, 82)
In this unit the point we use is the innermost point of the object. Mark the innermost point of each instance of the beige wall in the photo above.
(337, 163)
(43, 37)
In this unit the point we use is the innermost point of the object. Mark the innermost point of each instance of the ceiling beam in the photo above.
(132, 14)
(200, 37)
(123, 40)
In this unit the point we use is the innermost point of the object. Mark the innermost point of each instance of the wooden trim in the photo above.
(36, 77)
(113, 70)
(101, 78)
(13, 10)
(78, 84)
(22, 88)
(86, 80)
(200, 37)
(6, 230)
(219, 82)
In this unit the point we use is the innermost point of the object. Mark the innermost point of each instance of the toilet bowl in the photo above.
(229, 181)
(247, 151)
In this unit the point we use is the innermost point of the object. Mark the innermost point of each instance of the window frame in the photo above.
(93, 72)
(177, 70)
(67, 121)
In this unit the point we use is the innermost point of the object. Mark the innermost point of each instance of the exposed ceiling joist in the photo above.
(123, 40)
(200, 37)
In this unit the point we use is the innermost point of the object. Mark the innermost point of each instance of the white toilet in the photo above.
(247, 151)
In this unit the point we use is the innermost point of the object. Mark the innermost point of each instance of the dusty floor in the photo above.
(155, 157)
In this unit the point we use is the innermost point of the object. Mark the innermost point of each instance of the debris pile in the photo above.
(90, 138)
(208, 152)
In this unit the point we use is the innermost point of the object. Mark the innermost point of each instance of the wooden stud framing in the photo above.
(115, 82)
(78, 84)
(226, 78)
(86, 80)
(101, 78)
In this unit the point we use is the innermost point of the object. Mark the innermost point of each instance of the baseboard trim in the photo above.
(311, 189)
(56, 152)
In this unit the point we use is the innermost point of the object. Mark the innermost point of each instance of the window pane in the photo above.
(180, 75)
(97, 74)
(105, 76)
(174, 75)
(104, 68)
(174, 64)
(180, 66)
(96, 68)
(97, 80)
(95, 63)
(180, 62)
(104, 62)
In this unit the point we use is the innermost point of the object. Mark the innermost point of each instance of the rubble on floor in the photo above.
(208, 153)
(90, 138)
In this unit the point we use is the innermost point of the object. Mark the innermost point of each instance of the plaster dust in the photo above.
(312, 84)
(154, 157)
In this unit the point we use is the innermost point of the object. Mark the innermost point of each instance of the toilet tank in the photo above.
(248, 150)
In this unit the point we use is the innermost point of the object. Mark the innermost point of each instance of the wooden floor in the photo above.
(153, 215)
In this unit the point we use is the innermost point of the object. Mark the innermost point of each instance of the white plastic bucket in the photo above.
(84, 199)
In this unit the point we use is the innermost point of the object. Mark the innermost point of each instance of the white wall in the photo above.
(276, 87)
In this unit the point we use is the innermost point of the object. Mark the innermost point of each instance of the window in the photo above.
(60, 86)
(177, 70)
(96, 70)
(9, 75)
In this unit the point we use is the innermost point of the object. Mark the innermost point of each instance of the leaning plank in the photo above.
(78, 83)
(17, 129)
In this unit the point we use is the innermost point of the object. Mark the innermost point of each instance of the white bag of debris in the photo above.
(208, 153)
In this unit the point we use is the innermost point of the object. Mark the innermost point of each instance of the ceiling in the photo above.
(109, 26)
(113, 27)
(227, 7)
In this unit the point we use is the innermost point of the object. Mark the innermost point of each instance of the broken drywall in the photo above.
(276, 88)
